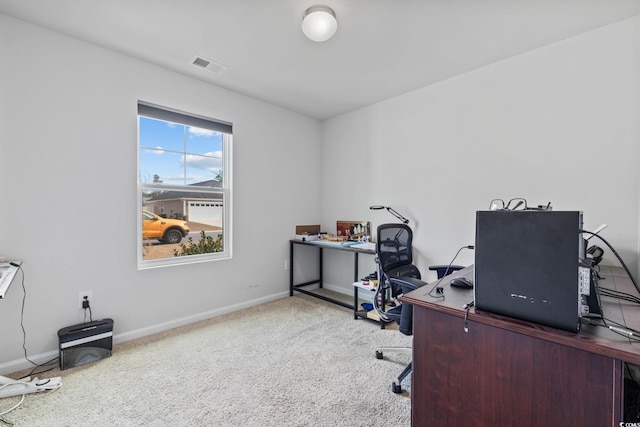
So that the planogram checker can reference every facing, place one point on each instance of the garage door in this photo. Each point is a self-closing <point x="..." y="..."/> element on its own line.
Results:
<point x="205" y="212"/>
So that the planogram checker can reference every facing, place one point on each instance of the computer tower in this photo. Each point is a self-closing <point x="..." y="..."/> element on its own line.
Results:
<point x="85" y="342"/>
<point x="527" y="266"/>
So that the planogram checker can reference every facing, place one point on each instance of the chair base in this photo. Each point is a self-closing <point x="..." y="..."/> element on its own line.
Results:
<point x="396" y="385"/>
<point x="401" y="350"/>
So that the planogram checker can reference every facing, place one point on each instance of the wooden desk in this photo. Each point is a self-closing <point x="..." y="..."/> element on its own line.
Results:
<point x="300" y="287"/>
<point x="508" y="372"/>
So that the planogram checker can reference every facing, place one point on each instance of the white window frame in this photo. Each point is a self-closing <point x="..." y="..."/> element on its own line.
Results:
<point x="225" y="190"/>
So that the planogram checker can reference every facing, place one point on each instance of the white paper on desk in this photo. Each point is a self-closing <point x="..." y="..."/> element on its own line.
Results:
<point x="365" y="245"/>
<point x="331" y="243"/>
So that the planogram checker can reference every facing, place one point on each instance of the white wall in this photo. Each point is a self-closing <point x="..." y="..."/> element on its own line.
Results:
<point x="558" y="124"/>
<point x="68" y="149"/>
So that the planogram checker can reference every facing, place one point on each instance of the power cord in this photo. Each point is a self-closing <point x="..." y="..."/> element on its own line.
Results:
<point x="623" y="330"/>
<point x="51" y="362"/>
<point x="24" y="382"/>
<point x="631" y="334"/>
<point x="24" y="332"/>
<point x="439" y="290"/>
<point x="467" y="307"/>
<point x="626" y="269"/>
<point x="378" y="296"/>
<point x="24" y="299"/>
<point x="14" y="407"/>
<point x="86" y="306"/>
<point x="620" y="329"/>
<point x="618" y="294"/>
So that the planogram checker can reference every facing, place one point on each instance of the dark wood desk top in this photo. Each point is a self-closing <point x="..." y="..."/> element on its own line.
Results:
<point x="593" y="335"/>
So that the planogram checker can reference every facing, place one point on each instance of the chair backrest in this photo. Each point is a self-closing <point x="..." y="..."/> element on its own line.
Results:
<point x="394" y="246"/>
<point x="394" y="255"/>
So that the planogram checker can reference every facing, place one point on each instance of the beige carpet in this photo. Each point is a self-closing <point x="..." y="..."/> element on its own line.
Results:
<point x="297" y="361"/>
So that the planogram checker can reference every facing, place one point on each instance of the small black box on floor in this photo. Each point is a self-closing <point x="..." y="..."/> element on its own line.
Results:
<point x="85" y="343"/>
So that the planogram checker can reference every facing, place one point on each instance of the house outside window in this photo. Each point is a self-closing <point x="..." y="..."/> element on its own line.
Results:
<point x="184" y="187"/>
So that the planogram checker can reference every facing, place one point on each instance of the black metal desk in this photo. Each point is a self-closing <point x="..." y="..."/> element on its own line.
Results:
<point x="321" y="247"/>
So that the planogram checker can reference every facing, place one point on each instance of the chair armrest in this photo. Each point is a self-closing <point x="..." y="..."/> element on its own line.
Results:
<point x="441" y="269"/>
<point x="407" y="284"/>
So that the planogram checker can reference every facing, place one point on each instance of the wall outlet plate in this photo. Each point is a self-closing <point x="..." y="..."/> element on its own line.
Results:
<point x="81" y="296"/>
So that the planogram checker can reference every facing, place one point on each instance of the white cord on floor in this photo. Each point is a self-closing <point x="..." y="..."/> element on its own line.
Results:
<point x="14" y="407"/>
<point x="34" y="383"/>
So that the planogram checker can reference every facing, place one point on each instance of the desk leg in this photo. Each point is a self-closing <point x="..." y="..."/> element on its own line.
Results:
<point x="355" y="266"/>
<point x="293" y="287"/>
<point x="290" y="269"/>
<point x="321" y="267"/>
<point x="355" y="303"/>
<point x="355" y="288"/>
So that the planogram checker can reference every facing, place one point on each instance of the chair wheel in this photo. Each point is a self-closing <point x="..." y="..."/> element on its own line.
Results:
<point x="396" y="388"/>
<point x="379" y="354"/>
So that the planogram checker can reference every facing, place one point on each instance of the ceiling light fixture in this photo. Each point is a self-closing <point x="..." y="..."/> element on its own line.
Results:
<point x="319" y="23"/>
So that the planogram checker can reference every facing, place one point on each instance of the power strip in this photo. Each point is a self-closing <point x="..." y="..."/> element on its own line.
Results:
<point x="19" y="388"/>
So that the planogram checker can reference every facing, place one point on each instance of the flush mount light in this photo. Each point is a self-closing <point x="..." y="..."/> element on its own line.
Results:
<point x="319" y="23"/>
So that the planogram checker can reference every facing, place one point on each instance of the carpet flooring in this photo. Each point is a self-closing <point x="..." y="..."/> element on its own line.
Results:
<point x="296" y="361"/>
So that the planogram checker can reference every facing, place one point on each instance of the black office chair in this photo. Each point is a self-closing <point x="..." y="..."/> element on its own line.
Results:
<point x="396" y="276"/>
<point x="394" y="256"/>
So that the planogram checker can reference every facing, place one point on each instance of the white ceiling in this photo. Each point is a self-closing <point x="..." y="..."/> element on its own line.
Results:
<point x="382" y="48"/>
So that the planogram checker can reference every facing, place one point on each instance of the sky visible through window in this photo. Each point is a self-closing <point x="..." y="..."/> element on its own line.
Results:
<point x="178" y="154"/>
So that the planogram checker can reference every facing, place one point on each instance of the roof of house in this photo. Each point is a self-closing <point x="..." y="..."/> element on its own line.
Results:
<point x="182" y="195"/>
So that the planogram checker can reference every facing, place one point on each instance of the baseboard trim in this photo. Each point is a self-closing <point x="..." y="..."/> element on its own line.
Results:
<point x="161" y="327"/>
<point x="339" y="289"/>
<point x="22" y="364"/>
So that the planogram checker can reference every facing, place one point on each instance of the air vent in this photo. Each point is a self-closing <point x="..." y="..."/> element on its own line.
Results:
<point x="201" y="62"/>
<point x="208" y="65"/>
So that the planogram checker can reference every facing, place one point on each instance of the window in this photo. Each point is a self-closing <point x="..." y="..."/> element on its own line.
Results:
<point x="184" y="187"/>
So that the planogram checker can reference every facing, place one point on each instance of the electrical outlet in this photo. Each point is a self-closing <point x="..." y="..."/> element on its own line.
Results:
<point x="286" y="265"/>
<point x="81" y="296"/>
